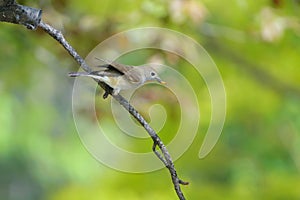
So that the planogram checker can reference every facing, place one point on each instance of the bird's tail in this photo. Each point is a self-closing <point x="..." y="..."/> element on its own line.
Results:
<point x="86" y="74"/>
<point x="75" y="74"/>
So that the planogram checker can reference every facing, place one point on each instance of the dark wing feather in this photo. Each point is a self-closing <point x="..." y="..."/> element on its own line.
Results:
<point x="130" y="72"/>
<point x="117" y="69"/>
<point x="108" y="70"/>
<point x="111" y="64"/>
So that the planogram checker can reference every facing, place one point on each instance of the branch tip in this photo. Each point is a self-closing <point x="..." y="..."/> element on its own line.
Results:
<point x="183" y="182"/>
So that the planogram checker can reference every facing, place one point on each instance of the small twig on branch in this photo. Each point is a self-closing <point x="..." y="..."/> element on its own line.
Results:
<point x="166" y="158"/>
<point x="12" y="12"/>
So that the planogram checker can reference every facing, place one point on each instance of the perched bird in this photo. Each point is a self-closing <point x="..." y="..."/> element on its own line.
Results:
<point x="122" y="77"/>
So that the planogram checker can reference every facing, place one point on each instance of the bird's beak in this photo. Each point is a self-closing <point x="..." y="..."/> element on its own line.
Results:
<point x="160" y="81"/>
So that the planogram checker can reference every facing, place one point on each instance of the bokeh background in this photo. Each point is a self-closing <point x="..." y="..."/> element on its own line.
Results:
<point x="255" y="45"/>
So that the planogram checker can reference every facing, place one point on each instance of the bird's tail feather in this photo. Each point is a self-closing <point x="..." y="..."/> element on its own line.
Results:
<point x="86" y="74"/>
<point x="75" y="74"/>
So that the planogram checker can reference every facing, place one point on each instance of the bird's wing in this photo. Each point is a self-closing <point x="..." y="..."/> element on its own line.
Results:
<point x="114" y="67"/>
<point x="133" y="75"/>
<point x="117" y="69"/>
<point x="121" y="67"/>
<point x="130" y="72"/>
<point x="111" y="64"/>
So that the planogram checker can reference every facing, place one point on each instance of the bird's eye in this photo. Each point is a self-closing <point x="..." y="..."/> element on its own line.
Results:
<point x="152" y="73"/>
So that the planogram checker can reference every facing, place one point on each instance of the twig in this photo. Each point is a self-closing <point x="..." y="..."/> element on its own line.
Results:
<point x="12" y="12"/>
<point x="165" y="157"/>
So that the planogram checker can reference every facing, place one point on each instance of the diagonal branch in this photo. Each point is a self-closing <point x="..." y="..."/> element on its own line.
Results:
<point x="12" y="12"/>
<point x="165" y="157"/>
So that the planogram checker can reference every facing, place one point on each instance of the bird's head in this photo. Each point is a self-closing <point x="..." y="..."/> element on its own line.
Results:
<point x="152" y="75"/>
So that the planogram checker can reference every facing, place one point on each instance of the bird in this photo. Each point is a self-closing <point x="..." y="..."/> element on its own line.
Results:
<point x="122" y="77"/>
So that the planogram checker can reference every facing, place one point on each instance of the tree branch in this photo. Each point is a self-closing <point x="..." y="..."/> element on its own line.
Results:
<point x="14" y="13"/>
<point x="31" y="18"/>
<point x="165" y="157"/>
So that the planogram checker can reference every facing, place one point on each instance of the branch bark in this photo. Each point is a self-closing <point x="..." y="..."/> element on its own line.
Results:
<point x="12" y="12"/>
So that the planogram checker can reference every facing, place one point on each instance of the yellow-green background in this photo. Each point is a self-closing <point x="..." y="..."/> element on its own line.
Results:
<point x="258" y="154"/>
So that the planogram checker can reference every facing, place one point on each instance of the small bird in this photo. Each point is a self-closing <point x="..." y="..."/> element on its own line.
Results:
<point x="122" y="77"/>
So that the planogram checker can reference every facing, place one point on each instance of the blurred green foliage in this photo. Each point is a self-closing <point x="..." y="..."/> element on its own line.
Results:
<point x="255" y="45"/>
